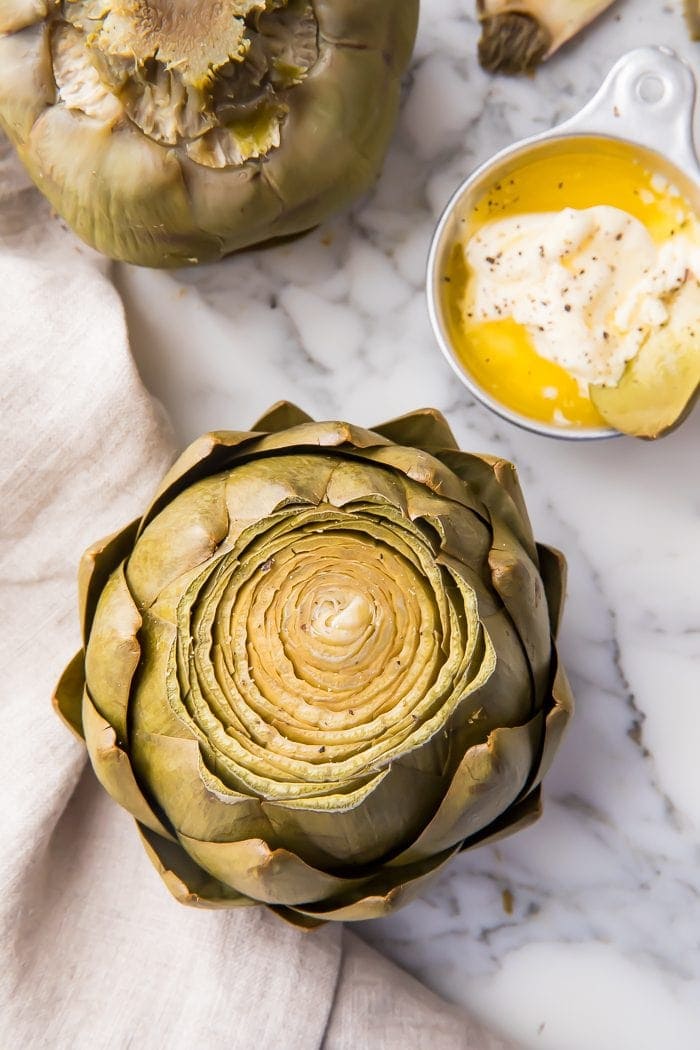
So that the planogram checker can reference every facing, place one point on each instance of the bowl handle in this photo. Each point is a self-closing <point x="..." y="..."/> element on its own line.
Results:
<point x="648" y="97"/>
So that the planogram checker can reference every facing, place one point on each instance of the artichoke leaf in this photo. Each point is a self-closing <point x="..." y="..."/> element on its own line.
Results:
<point x="558" y="715"/>
<point x="524" y="812"/>
<point x="187" y="882"/>
<point x="26" y="80"/>
<point x="118" y="189"/>
<point x="96" y="566"/>
<point x="113" y="652"/>
<point x="272" y="876"/>
<point x="113" y="768"/>
<point x="184" y="536"/>
<point x="494" y="484"/>
<point x="392" y="888"/>
<point x="554" y="572"/>
<point x="363" y="23"/>
<point x="195" y="802"/>
<point x="661" y="382"/>
<point x="516" y="35"/>
<point x="487" y="781"/>
<point x="281" y="416"/>
<point x="68" y="695"/>
<point x="427" y="428"/>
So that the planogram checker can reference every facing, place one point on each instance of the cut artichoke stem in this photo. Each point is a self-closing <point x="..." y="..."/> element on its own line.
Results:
<point x="516" y="35"/>
<point x="692" y="17"/>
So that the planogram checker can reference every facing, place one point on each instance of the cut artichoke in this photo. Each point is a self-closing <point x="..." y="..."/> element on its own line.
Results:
<point x="516" y="35"/>
<point x="169" y="132"/>
<point x="321" y="664"/>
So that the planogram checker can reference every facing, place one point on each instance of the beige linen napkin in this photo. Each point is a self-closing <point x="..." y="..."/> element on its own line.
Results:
<point x="95" y="953"/>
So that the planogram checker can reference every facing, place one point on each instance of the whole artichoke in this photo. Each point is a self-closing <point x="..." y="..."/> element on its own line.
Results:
<point x="321" y="664"/>
<point x="168" y="132"/>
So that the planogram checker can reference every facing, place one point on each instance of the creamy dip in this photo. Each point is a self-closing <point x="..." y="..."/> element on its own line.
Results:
<point x="589" y="285"/>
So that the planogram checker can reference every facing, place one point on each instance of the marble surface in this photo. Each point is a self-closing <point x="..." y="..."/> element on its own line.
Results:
<point x="582" y="933"/>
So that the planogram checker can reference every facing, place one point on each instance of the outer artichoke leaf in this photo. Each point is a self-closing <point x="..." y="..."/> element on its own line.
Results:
<point x="26" y="80"/>
<point x="487" y="781"/>
<point x="353" y="481"/>
<point x="113" y="768"/>
<point x="401" y="802"/>
<point x="18" y="14"/>
<point x="334" y="136"/>
<point x="553" y="570"/>
<point x="426" y="428"/>
<point x="68" y="695"/>
<point x="557" y="718"/>
<point x="113" y="651"/>
<point x="519" y="584"/>
<point x="281" y="416"/>
<point x="187" y="882"/>
<point x="295" y="918"/>
<point x="389" y="28"/>
<point x="195" y="802"/>
<point x="520" y="815"/>
<point x="333" y="433"/>
<point x="257" y="490"/>
<point x="138" y="202"/>
<point x="236" y="205"/>
<point x="422" y="468"/>
<point x="390" y="889"/>
<point x="273" y="876"/>
<point x="494" y="483"/>
<point x="209" y="454"/>
<point x="183" y="536"/>
<point x="96" y="566"/>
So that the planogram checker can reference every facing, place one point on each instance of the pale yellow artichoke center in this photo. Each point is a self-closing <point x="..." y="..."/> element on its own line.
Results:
<point x="320" y="647"/>
<point x="211" y="78"/>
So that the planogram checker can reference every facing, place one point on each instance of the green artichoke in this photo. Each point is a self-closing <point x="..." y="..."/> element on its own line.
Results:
<point x="170" y="132"/>
<point x="321" y="664"/>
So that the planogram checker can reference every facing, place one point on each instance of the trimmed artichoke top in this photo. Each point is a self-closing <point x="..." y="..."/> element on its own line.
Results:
<point x="174" y="131"/>
<point x="321" y="664"/>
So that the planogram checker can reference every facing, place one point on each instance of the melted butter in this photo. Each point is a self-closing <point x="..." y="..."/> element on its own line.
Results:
<point x="500" y="354"/>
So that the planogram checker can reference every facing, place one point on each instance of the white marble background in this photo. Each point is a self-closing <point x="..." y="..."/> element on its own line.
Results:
<point x="601" y="950"/>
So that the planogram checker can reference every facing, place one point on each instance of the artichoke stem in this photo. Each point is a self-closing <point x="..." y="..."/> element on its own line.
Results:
<point x="512" y="43"/>
<point x="692" y="17"/>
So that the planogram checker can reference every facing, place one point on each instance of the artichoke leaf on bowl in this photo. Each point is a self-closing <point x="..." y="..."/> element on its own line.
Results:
<point x="321" y="664"/>
<point x="516" y="35"/>
<point x="171" y="132"/>
<point x="661" y="382"/>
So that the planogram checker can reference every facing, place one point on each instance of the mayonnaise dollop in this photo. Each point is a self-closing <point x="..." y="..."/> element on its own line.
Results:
<point x="589" y="285"/>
